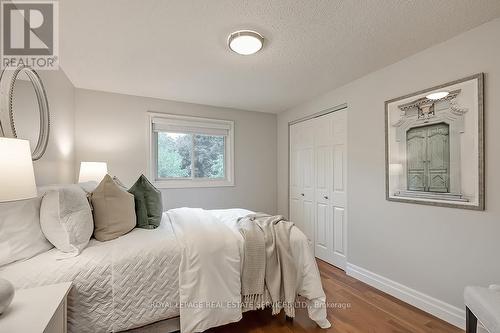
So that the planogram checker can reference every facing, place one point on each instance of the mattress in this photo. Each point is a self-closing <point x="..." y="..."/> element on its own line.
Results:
<point x="117" y="285"/>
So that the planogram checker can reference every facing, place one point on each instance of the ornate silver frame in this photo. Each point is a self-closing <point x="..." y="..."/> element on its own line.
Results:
<point x="7" y="125"/>
<point x="481" y="139"/>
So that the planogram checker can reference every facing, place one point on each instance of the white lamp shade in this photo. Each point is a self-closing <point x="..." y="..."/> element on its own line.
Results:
<point x="17" y="179"/>
<point x="92" y="171"/>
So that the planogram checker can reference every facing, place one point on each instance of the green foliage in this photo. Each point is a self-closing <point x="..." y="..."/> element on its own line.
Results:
<point x="172" y="157"/>
<point x="175" y="155"/>
<point x="209" y="156"/>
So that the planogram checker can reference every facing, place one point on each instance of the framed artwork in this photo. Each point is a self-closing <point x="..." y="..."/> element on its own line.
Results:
<point x="435" y="145"/>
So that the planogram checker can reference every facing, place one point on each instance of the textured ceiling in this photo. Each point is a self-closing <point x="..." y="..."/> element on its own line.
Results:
<point x="176" y="49"/>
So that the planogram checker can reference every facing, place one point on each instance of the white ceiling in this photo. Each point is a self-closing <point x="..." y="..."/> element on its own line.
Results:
<point x="176" y="49"/>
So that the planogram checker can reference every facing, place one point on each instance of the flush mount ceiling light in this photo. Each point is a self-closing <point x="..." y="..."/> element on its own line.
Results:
<point x="437" y="95"/>
<point x="245" y="42"/>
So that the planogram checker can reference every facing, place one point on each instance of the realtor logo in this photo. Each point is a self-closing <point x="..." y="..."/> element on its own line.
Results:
<point x="29" y="34"/>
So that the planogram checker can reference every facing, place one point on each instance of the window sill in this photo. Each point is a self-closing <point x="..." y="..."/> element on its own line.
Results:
<point x="189" y="183"/>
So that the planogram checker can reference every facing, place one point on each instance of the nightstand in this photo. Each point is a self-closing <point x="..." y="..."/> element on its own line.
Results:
<point x="37" y="310"/>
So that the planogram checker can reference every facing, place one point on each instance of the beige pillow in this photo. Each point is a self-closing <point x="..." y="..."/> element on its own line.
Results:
<point x="114" y="210"/>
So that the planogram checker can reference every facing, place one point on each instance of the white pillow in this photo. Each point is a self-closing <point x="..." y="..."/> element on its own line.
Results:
<point x="66" y="219"/>
<point x="20" y="234"/>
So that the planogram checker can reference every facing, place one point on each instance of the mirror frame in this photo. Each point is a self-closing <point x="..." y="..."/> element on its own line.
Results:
<point x="7" y="125"/>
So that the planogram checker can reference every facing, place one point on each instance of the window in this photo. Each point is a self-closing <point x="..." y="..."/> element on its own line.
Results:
<point x="191" y="151"/>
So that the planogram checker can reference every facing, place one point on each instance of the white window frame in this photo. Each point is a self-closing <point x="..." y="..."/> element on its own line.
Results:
<point x="166" y="118"/>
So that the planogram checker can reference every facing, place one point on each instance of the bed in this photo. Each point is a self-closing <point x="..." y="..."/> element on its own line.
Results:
<point x="143" y="276"/>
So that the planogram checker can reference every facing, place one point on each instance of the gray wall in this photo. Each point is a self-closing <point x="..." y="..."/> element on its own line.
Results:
<point x="57" y="164"/>
<point x="113" y="128"/>
<point x="437" y="251"/>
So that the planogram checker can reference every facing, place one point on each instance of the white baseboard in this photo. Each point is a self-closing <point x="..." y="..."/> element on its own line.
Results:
<point x="440" y="309"/>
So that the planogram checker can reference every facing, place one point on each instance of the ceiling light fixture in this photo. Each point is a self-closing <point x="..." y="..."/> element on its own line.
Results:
<point x="437" y="95"/>
<point x="245" y="42"/>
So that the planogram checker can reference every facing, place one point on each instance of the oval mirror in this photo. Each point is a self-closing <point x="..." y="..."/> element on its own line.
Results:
<point x="24" y="112"/>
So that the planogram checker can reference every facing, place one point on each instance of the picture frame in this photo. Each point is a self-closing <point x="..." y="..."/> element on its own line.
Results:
<point x="434" y="145"/>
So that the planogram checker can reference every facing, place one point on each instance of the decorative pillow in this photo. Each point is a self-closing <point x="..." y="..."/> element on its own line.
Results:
<point x="148" y="204"/>
<point x="20" y="234"/>
<point x="120" y="184"/>
<point x="66" y="219"/>
<point x="114" y="213"/>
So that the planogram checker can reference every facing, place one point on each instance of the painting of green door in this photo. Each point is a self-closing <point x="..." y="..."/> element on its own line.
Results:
<point x="428" y="158"/>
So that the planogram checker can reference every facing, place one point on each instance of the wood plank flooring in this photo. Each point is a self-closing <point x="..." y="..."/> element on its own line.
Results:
<point x="365" y="310"/>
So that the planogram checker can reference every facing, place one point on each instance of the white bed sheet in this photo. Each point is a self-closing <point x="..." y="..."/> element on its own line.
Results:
<point x="117" y="285"/>
<point x="210" y="269"/>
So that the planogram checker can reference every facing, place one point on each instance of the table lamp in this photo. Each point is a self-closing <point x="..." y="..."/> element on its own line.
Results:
<point x="17" y="182"/>
<point x="92" y="171"/>
<point x="17" y="179"/>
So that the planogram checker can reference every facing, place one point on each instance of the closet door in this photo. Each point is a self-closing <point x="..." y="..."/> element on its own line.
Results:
<point x="339" y="189"/>
<point x="323" y="243"/>
<point x="330" y="192"/>
<point x="318" y="164"/>
<point x="301" y="178"/>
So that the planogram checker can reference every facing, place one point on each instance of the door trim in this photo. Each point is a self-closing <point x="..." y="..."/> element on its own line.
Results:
<point x="318" y="114"/>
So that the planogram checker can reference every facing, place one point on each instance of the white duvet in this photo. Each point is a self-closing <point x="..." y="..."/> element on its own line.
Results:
<point x="210" y="266"/>
<point x="140" y="278"/>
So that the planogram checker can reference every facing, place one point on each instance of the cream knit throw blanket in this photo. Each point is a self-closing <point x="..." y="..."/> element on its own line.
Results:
<point x="268" y="263"/>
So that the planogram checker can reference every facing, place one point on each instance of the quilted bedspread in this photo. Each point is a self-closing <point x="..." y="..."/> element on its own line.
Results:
<point x="117" y="285"/>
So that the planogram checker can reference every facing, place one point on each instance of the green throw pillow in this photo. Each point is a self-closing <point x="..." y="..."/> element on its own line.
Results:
<point x="148" y="204"/>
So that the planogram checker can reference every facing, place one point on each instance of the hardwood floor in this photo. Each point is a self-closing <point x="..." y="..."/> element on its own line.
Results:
<point x="366" y="310"/>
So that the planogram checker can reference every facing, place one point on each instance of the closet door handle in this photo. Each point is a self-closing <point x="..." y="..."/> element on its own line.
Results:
<point x="302" y="194"/>
<point x="326" y="197"/>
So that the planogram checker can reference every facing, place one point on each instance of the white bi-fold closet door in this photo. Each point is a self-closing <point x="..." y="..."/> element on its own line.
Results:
<point x="318" y="149"/>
